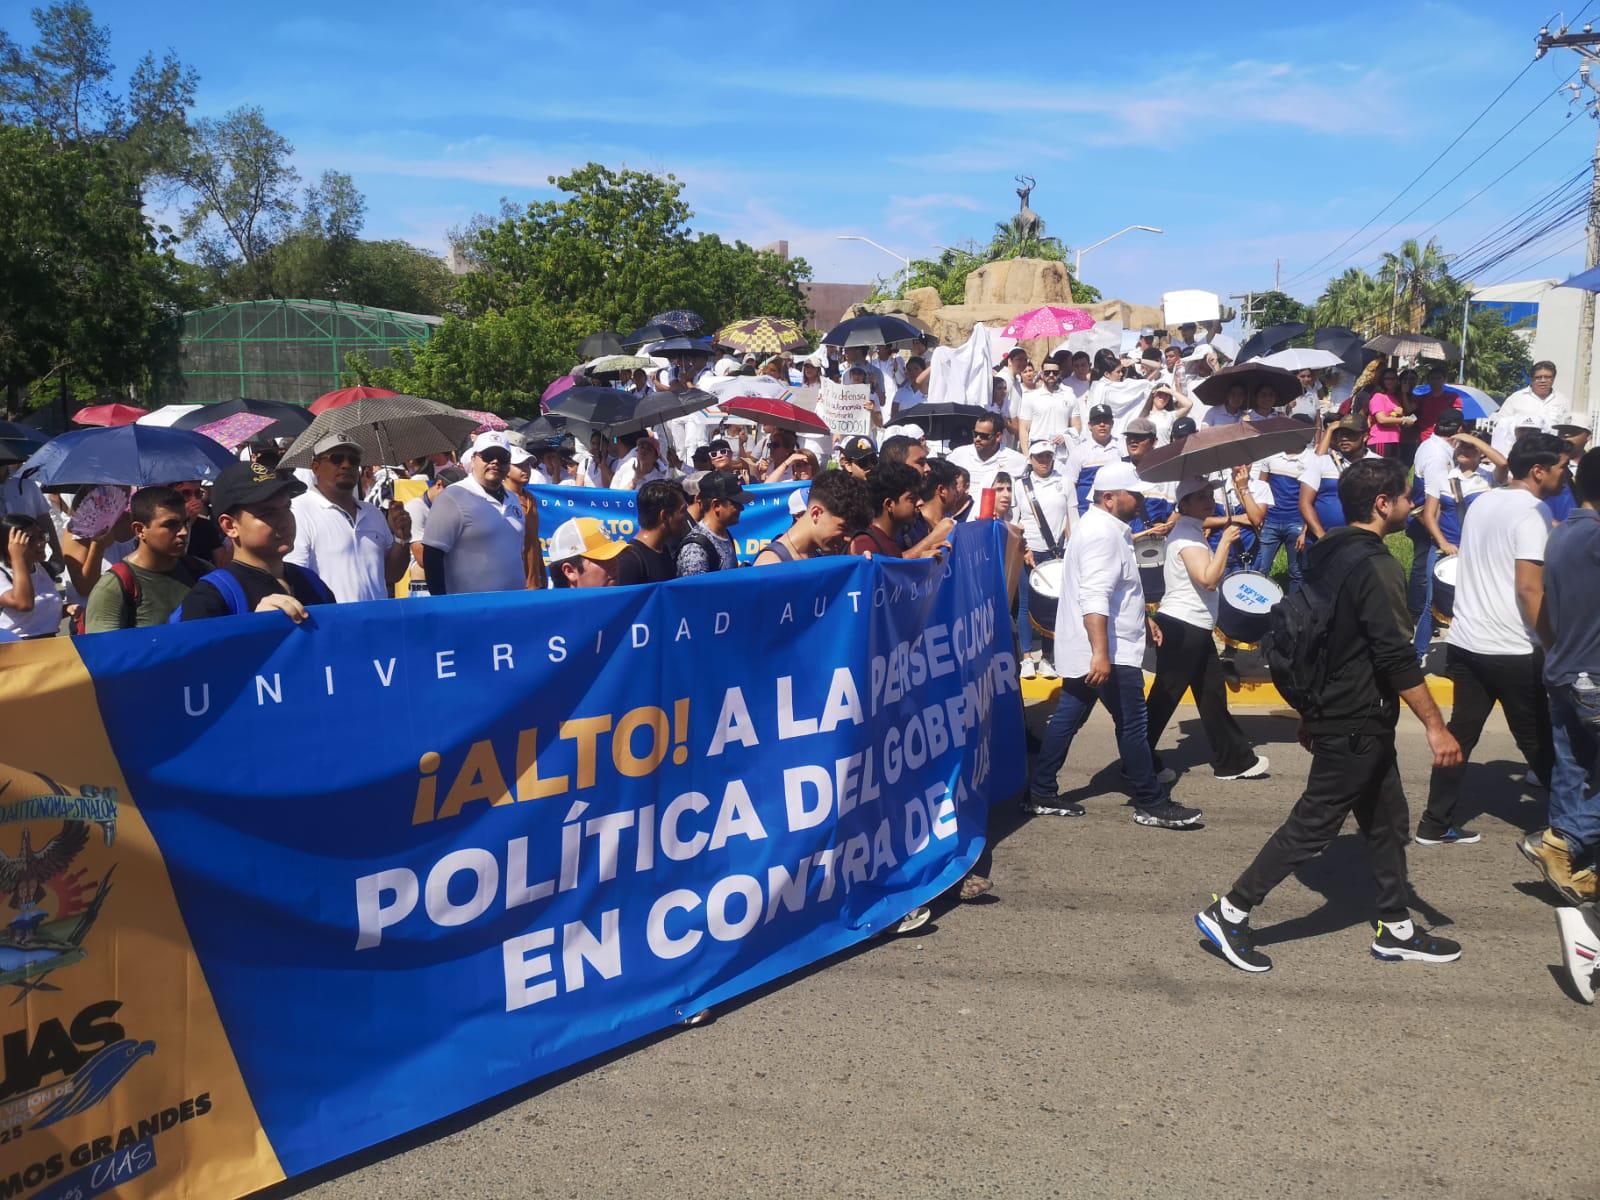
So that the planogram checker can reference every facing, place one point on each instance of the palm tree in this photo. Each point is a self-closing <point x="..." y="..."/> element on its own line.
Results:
<point x="1413" y="275"/>
<point x="1353" y="300"/>
<point x="1023" y="236"/>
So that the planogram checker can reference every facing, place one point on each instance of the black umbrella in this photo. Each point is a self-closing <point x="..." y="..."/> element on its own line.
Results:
<point x="1265" y="341"/>
<point x="1252" y="376"/>
<point x="660" y="407"/>
<point x="682" y="346"/>
<point x="540" y="429"/>
<point x="18" y="442"/>
<point x="1346" y="343"/>
<point x="597" y="344"/>
<point x="942" y="419"/>
<point x="391" y="430"/>
<point x="649" y="332"/>
<point x="596" y="407"/>
<point x="684" y="320"/>
<point x="289" y="420"/>
<point x="871" y="330"/>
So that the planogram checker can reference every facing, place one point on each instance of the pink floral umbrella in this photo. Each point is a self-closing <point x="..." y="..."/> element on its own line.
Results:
<point x="487" y="421"/>
<point x="233" y="432"/>
<point x="1047" y="322"/>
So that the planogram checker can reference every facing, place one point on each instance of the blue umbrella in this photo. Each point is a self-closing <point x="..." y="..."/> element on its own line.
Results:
<point x="1475" y="403"/>
<point x="132" y="455"/>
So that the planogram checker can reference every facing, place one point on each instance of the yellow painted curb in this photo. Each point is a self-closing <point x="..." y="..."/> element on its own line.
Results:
<point x="1250" y="694"/>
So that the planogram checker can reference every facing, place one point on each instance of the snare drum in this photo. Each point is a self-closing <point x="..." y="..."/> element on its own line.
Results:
<point x="1444" y="587"/>
<point x="1245" y="601"/>
<point x="1151" y="554"/>
<point x="1044" y="587"/>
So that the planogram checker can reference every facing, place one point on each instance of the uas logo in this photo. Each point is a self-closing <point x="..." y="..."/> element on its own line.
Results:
<point x="53" y="902"/>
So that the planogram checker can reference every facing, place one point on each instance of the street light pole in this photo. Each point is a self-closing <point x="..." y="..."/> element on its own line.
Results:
<point x="856" y="237"/>
<point x="1077" y="266"/>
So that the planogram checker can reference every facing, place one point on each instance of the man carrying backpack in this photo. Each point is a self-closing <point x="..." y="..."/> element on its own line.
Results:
<point x="146" y="586"/>
<point x="1340" y="651"/>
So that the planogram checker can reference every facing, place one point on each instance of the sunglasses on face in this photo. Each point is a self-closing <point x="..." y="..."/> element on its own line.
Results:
<point x="868" y="462"/>
<point x="340" y="458"/>
<point x="1052" y="374"/>
<point x="1139" y="437"/>
<point x="984" y="437"/>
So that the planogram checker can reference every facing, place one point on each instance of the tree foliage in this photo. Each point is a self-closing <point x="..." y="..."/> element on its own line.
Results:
<point x="614" y="250"/>
<point x="86" y="288"/>
<point x="1018" y="237"/>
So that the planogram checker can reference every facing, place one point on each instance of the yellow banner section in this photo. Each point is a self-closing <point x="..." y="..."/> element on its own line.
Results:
<point x="118" y="1075"/>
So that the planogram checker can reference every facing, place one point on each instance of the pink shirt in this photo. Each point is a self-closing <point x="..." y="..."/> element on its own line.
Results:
<point x="1381" y="435"/>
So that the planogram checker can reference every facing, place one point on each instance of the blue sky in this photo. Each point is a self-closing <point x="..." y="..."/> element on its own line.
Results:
<point x="1248" y="132"/>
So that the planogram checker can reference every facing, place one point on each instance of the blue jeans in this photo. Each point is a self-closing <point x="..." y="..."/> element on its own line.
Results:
<point x="1419" y="588"/>
<point x="1123" y="695"/>
<point x="1575" y="781"/>
<point x="1274" y="533"/>
<point x="1027" y="636"/>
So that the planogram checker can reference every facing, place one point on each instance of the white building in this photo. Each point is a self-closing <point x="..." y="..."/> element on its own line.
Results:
<point x="1554" y="331"/>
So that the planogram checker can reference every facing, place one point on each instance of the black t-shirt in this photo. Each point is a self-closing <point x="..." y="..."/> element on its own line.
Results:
<point x="204" y="600"/>
<point x="640" y="564"/>
<point x="205" y="539"/>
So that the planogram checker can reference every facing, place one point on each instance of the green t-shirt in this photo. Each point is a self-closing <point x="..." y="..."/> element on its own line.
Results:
<point x="158" y="596"/>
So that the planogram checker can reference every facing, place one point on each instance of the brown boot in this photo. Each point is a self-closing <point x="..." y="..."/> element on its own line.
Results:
<point x="1548" y="851"/>
<point x="1586" y="885"/>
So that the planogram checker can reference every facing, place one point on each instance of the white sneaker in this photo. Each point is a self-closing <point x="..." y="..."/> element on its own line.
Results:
<point x="1580" y="948"/>
<point x="914" y="920"/>
<point x="1255" y="770"/>
<point x="1047" y="669"/>
<point x="1028" y="669"/>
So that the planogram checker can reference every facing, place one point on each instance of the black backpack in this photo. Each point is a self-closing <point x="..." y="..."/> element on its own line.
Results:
<point x="1295" y="647"/>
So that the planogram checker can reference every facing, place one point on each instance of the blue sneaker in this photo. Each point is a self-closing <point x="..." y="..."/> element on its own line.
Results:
<point x="1232" y="939"/>
<point x="1450" y="837"/>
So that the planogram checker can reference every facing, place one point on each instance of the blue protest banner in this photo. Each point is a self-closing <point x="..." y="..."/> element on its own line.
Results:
<point x="618" y="511"/>
<point x="405" y="856"/>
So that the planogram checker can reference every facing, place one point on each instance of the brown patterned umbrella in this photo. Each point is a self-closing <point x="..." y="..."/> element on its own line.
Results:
<point x="763" y="335"/>
<point x="389" y="429"/>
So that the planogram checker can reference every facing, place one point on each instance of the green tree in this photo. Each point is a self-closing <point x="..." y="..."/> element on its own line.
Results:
<point x="1277" y="308"/>
<point x="63" y="85"/>
<point x="1413" y="275"/>
<point x="86" y="288"/>
<point x="1353" y="300"/>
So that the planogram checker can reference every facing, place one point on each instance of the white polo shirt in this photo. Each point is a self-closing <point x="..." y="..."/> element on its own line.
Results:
<point x="1504" y="526"/>
<point x="346" y="553"/>
<point x="1101" y="576"/>
<point x="481" y="536"/>
<point x="983" y="471"/>
<point x="1049" y="415"/>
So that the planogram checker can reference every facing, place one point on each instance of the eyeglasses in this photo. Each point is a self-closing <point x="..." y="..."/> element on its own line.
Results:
<point x="1051" y="374"/>
<point x="340" y="459"/>
<point x="983" y="437"/>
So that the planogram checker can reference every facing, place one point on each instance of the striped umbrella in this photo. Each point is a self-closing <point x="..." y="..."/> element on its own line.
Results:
<point x="389" y="429"/>
<point x="763" y="335"/>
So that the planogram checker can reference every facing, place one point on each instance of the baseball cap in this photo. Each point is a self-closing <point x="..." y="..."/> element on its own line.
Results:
<point x="244" y="484"/>
<point x="856" y="447"/>
<point x="454" y="473"/>
<point x="1193" y="484"/>
<point x="490" y="440"/>
<point x="1139" y="427"/>
<point x="585" y="537"/>
<point x="724" y="485"/>
<point x="720" y="446"/>
<point x="1041" y="446"/>
<point x="799" y="501"/>
<point x="332" y="442"/>
<point x="691" y="482"/>
<point x="1448" y="421"/>
<point x="1183" y="427"/>
<point x="1576" y="423"/>
<point x="1350" y="424"/>
<point x="1101" y="413"/>
<point x="1118" y="477"/>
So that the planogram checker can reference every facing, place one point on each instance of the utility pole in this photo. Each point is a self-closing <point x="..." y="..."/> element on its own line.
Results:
<point x="1585" y="43"/>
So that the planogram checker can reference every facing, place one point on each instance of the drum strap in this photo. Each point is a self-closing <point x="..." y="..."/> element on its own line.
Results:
<point x="1455" y="486"/>
<point x="1038" y="514"/>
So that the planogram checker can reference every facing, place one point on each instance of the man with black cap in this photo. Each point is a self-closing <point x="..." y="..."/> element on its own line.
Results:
<point x="1320" y="507"/>
<point x="1102" y="446"/>
<point x="1435" y="457"/>
<point x="708" y="546"/>
<point x="252" y="503"/>
<point x="858" y="455"/>
<point x="1100" y="641"/>
<point x="349" y="543"/>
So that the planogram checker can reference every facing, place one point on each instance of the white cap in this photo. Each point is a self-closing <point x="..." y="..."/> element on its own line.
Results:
<point x="1576" y="420"/>
<point x="1198" y="353"/>
<point x="1118" y="477"/>
<point x="726" y="366"/>
<point x="1041" y="446"/>
<point x="799" y="501"/>
<point x="1193" y="484"/>
<point x="491" y="439"/>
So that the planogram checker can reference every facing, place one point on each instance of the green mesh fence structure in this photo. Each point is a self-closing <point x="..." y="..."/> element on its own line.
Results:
<point x="291" y="350"/>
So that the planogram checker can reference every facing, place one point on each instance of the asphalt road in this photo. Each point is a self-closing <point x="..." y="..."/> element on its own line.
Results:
<point x="1071" y="1036"/>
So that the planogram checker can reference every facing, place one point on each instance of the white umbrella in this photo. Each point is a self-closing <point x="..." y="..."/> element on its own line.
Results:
<point x="764" y="386"/>
<point x="1302" y="358"/>
<point x="164" y="416"/>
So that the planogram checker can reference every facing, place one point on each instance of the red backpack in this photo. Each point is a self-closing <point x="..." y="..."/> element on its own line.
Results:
<point x="129" y="582"/>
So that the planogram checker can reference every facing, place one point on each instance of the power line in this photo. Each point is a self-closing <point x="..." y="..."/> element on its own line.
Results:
<point x="1557" y="197"/>
<point x="1471" y="125"/>
<point x="1523" y="270"/>
<point x="1479" y="158"/>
